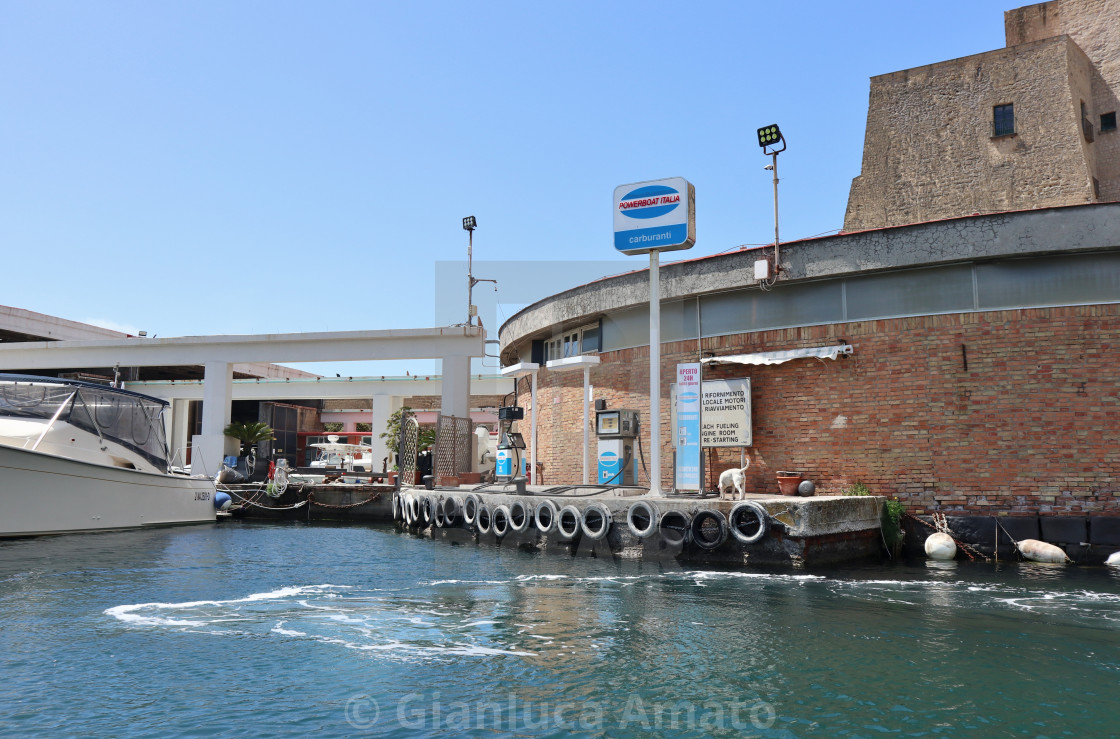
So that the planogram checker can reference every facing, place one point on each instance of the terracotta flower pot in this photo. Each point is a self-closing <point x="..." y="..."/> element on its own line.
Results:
<point x="788" y="482"/>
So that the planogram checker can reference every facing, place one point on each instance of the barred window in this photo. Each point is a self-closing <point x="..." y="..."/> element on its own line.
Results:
<point x="1003" y="120"/>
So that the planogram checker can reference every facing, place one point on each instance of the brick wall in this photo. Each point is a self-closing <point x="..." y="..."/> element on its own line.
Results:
<point x="1030" y="426"/>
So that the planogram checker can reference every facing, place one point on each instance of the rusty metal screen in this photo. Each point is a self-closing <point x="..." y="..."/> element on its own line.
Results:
<point x="452" y="453"/>
<point x="407" y="451"/>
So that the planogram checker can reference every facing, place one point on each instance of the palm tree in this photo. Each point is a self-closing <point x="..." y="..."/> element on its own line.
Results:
<point x="249" y="433"/>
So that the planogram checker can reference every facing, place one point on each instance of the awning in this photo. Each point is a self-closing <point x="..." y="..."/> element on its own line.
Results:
<point x="818" y="352"/>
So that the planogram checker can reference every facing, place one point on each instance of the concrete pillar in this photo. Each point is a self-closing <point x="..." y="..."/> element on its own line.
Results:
<point x="178" y="430"/>
<point x="455" y="397"/>
<point x="382" y="408"/>
<point x="210" y="446"/>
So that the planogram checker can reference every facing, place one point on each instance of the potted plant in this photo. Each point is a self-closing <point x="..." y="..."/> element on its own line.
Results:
<point x="249" y="434"/>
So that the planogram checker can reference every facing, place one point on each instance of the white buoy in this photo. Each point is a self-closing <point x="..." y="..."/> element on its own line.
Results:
<point x="940" y="546"/>
<point x="1113" y="560"/>
<point x="1040" y="551"/>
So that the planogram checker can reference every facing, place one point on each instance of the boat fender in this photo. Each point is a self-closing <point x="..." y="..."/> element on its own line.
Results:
<point x="674" y="527"/>
<point x="519" y="517"/>
<point x="642" y="519"/>
<point x="426" y="510"/>
<point x="484" y="519"/>
<point x="940" y="545"/>
<point x="596" y="521"/>
<point x="1040" y="551"/>
<point x="749" y="521"/>
<point x="708" y="529"/>
<point x="500" y="524"/>
<point x="470" y="509"/>
<point x="545" y="516"/>
<point x="411" y="510"/>
<point x="452" y="509"/>
<point x="396" y="506"/>
<point x="568" y="522"/>
<point x="437" y="515"/>
<point x="1113" y="560"/>
<point x="222" y="501"/>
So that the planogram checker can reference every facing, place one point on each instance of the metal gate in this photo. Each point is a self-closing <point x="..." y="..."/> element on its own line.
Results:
<point x="407" y="451"/>
<point x="452" y="453"/>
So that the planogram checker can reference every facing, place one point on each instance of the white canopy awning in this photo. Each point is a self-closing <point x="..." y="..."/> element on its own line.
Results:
<point x="817" y="352"/>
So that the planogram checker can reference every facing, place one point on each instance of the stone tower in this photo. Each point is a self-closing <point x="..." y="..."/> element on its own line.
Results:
<point x="1032" y="125"/>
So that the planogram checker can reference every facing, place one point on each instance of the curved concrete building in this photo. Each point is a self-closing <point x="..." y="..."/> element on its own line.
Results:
<point x="984" y="377"/>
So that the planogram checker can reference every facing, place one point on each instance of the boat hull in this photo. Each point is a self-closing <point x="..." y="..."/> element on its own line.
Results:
<point x="45" y="494"/>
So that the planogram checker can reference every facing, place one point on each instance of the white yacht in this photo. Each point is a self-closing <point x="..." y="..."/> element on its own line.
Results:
<point x="77" y="456"/>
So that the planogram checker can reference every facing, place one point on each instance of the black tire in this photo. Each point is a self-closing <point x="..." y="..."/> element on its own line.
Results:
<point x="568" y="522"/>
<point x="545" y="516"/>
<point x="749" y="522"/>
<point x="708" y="529"/>
<point x="485" y="519"/>
<point x="452" y="511"/>
<point x="596" y="521"/>
<point x="470" y="509"/>
<point x="427" y="511"/>
<point x="500" y="525"/>
<point x="674" y="527"/>
<point x="519" y="517"/>
<point x="642" y="519"/>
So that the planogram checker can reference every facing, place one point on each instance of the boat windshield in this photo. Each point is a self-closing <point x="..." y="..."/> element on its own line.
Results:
<point x="133" y="421"/>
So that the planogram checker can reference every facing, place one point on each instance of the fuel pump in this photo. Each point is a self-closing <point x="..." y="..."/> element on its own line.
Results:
<point x="509" y="443"/>
<point x="616" y="430"/>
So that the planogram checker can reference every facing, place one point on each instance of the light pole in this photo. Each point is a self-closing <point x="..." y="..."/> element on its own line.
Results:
<point x="770" y="136"/>
<point x="469" y="225"/>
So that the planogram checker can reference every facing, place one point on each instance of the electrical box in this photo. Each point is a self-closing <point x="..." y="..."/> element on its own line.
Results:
<point x="511" y="413"/>
<point x="762" y="269"/>
<point x="616" y="424"/>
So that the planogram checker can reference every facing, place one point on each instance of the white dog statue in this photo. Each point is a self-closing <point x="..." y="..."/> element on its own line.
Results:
<point x="732" y="480"/>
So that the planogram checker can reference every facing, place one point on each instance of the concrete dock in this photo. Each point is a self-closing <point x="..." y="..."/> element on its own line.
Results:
<point x="598" y="521"/>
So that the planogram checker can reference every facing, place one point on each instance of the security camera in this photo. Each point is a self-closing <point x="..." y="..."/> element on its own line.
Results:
<point x="769" y="167"/>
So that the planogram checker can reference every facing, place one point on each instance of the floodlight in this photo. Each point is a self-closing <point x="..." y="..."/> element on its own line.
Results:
<point x="769" y="135"/>
<point x="469" y="223"/>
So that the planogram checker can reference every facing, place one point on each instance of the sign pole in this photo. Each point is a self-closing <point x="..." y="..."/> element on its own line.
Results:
<point x="655" y="372"/>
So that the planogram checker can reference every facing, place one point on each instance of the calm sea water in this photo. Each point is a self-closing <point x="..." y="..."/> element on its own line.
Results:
<point x="287" y="630"/>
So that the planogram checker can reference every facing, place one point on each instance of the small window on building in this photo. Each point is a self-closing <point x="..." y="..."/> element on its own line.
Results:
<point x="1003" y="120"/>
<point x="1108" y="121"/>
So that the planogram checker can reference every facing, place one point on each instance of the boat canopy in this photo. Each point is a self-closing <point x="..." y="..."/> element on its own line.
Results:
<point x="130" y="419"/>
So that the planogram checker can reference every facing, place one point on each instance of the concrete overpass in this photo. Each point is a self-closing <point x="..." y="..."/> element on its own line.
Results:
<point x="386" y="393"/>
<point x="454" y="345"/>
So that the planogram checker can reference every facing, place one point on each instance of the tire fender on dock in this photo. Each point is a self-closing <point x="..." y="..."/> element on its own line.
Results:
<point x="452" y="509"/>
<point x="749" y="522"/>
<point x="500" y="524"/>
<point x="596" y="521"/>
<point x="520" y="517"/>
<point x="708" y="529"/>
<point x="470" y="510"/>
<point x="568" y="522"/>
<point x="545" y="516"/>
<point x="485" y="519"/>
<point x="642" y="519"/>
<point x="427" y="510"/>
<point x="674" y="527"/>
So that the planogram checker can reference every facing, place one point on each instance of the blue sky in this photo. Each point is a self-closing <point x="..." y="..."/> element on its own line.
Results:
<point x="244" y="167"/>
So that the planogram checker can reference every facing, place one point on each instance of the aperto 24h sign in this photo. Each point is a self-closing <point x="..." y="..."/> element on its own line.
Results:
<point x="654" y="216"/>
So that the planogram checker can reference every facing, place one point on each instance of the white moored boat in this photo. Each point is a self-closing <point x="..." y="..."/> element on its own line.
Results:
<point x="76" y="456"/>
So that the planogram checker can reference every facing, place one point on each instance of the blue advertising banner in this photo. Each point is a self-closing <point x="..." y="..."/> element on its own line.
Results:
<point x="687" y="436"/>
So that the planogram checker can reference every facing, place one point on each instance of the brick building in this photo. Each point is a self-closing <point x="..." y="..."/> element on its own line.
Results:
<point x="984" y="378"/>
<point x="1032" y="125"/>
